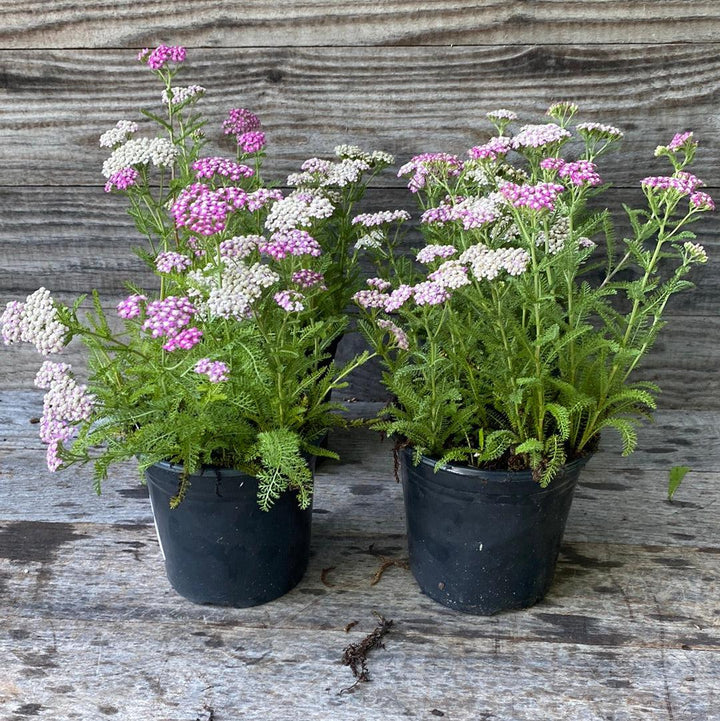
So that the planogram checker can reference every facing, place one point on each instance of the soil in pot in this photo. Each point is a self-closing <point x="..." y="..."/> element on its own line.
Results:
<point x="484" y="541"/>
<point x="219" y="547"/>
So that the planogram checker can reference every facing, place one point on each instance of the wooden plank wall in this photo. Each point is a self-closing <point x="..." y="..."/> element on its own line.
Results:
<point x="404" y="76"/>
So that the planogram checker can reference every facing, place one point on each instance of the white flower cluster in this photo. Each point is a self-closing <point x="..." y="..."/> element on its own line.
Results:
<point x="182" y="95"/>
<point x="382" y="217"/>
<point x="371" y="241"/>
<point x="451" y="274"/>
<point x="354" y="152"/>
<point x="556" y="238"/>
<point x="140" y="151"/>
<point x="240" y="246"/>
<point x="239" y="287"/>
<point x="695" y="252"/>
<point x="324" y="174"/>
<point x="34" y="321"/>
<point x="600" y="130"/>
<point x="118" y="134"/>
<point x="487" y="263"/>
<point x="298" y="210"/>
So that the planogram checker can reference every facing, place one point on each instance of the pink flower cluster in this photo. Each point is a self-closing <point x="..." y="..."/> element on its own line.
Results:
<point x="685" y="183"/>
<point x="261" y="197"/>
<point x="398" y="335"/>
<point x="307" y="278"/>
<point x="239" y="121"/>
<point x="398" y="297"/>
<point x="580" y="172"/>
<point x="208" y="167"/>
<point x="471" y="212"/>
<point x="430" y="293"/>
<point x="245" y="126"/>
<point x="290" y="300"/>
<point x="492" y="149"/>
<point x="204" y="210"/>
<point x="290" y="242"/>
<point x="172" y="261"/>
<point x="252" y="142"/>
<point x="702" y="201"/>
<point x="122" y="180"/>
<point x="216" y="371"/>
<point x="535" y="136"/>
<point x="429" y="166"/>
<point x="161" y="55"/>
<point x="130" y="307"/>
<point x="537" y="197"/>
<point x="430" y="252"/>
<point x="451" y="274"/>
<point x="679" y="140"/>
<point x="65" y="403"/>
<point x="184" y="340"/>
<point x="167" y="317"/>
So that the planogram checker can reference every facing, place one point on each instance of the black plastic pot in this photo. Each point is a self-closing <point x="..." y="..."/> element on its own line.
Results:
<point x="484" y="541"/>
<point x="219" y="547"/>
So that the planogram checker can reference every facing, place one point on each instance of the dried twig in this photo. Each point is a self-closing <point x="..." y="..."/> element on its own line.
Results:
<point x="386" y="563"/>
<point x="351" y="625"/>
<point x="324" y="575"/>
<point x="355" y="655"/>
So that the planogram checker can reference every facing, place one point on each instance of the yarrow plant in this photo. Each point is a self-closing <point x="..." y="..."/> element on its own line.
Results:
<point x="227" y="361"/>
<point x="512" y="343"/>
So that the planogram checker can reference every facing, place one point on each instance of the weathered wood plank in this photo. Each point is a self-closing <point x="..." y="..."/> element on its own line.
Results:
<point x="174" y="672"/>
<point x="404" y="100"/>
<point x="619" y="500"/>
<point x="325" y="22"/>
<point x="603" y="595"/>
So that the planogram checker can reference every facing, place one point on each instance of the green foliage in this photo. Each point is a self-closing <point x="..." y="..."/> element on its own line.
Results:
<point x="676" y="476"/>
<point x="523" y="366"/>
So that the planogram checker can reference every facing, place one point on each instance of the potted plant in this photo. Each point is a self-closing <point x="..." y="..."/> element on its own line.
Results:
<point x="515" y="340"/>
<point x="217" y="378"/>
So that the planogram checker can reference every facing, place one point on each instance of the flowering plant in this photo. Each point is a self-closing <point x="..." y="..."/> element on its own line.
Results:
<point x="227" y="360"/>
<point x="517" y="343"/>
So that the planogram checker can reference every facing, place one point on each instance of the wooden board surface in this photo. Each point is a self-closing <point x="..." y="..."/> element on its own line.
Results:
<point x="89" y="627"/>
<point x="108" y="23"/>
<point x="55" y="104"/>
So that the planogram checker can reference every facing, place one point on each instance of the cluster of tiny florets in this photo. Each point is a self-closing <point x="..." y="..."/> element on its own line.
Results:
<point x="240" y="246"/>
<point x="579" y="172"/>
<point x="429" y="253"/>
<point x="451" y="274"/>
<point x="536" y="197"/>
<point x="535" y="136"/>
<point x="122" y="180"/>
<point x="487" y="263"/>
<point x="472" y="212"/>
<point x="290" y="300"/>
<point x="556" y="238"/>
<point x="599" y="131"/>
<point x="371" y="241"/>
<point x="383" y="217"/>
<point x="178" y="96"/>
<point x="251" y="142"/>
<point x="685" y="183"/>
<point x="491" y="150"/>
<point x="261" y="197"/>
<point x="428" y="167"/>
<point x="371" y="298"/>
<point x="204" y="210"/>
<point x="140" y="151"/>
<point x="702" y="201"/>
<point x="695" y="252"/>
<point x="216" y="371"/>
<point x="166" y="317"/>
<point x="307" y="278"/>
<point x="373" y="159"/>
<point x="298" y="210"/>
<point x="239" y="121"/>
<point x="34" y="321"/>
<point x="65" y="403"/>
<point x="398" y="335"/>
<point x="131" y="307"/>
<point x="501" y="114"/>
<point x="208" y="167"/>
<point x="290" y="242"/>
<point x="430" y="292"/>
<point x="119" y="134"/>
<point x="171" y="261"/>
<point x="158" y="58"/>
<point x="186" y="339"/>
<point x="398" y="297"/>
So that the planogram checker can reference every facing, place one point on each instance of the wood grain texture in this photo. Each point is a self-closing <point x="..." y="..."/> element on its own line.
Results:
<point x="89" y="625"/>
<point x="55" y="104"/>
<point x="108" y="23"/>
